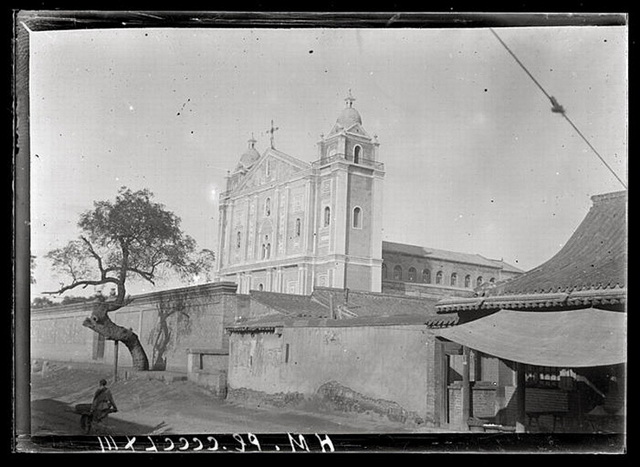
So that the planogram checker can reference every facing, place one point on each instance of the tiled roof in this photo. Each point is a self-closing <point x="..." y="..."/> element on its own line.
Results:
<point x="589" y="270"/>
<point x="593" y="257"/>
<point x="293" y="305"/>
<point x="271" y="323"/>
<point x="506" y="266"/>
<point x="434" y="253"/>
<point x="374" y="304"/>
<point x="351" y="308"/>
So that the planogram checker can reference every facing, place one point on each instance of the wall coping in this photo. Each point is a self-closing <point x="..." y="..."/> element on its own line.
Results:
<point x="202" y="289"/>
<point x="203" y="351"/>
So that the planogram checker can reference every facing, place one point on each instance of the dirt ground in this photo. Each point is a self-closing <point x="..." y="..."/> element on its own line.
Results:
<point x="154" y="407"/>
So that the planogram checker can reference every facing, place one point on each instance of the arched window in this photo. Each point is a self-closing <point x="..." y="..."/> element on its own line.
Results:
<point x="492" y="280"/>
<point x="357" y="150"/>
<point x="357" y="218"/>
<point x="260" y="287"/>
<point x="412" y="274"/>
<point x="454" y="279"/>
<point x="327" y="216"/>
<point x="267" y="207"/>
<point x="238" y="239"/>
<point x="266" y="248"/>
<point x="479" y="281"/>
<point x="467" y="281"/>
<point x="397" y="273"/>
<point x="298" y="227"/>
<point x="426" y="276"/>
<point x="439" y="277"/>
<point x="384" y="271"/>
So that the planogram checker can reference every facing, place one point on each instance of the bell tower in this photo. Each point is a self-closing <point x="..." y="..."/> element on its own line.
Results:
<point x="348" y="237"/>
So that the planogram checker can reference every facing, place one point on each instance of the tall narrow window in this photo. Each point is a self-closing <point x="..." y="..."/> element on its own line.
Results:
<point x="467" y="281"/>
<point x="384" y="271"/>
<point x="454" y="279"/>
<point x="412" y="274"/>
<point x="238" y="239"/>
<point x="439" y="277"/>
<point x="327" y="216"/>
<point x="356" y="154"/>
<point x="268" y="250"/>
<point x="426" y="276"/>
<point x="298" y="227"/>
<point x="286" y="353"/>
<point x="357" y="218"/>
<point x="479" y="281"/>
<point x="267" y="207"/>
<point x="260" y="287"/>
<point x="397" y="273"/>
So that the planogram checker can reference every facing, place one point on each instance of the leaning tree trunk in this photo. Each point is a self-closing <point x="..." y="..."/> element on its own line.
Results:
<point x="100" y="322"/>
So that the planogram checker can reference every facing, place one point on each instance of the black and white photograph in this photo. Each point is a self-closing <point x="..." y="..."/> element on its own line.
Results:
<point x="342" y="232"/>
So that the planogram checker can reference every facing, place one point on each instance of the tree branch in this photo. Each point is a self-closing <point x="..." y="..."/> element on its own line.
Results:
<point x="103" y="273"/>
<point x="83" y="284"/>
<point x="145" y="275"/>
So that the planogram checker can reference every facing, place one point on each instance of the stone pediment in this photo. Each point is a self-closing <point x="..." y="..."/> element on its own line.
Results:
<point x="272" y="168"/>
<point x="355" y="129"/>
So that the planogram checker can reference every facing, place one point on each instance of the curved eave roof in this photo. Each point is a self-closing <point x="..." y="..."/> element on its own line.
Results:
<point x="589" y="270"/>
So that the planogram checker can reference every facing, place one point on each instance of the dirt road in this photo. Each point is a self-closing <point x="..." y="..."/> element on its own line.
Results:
<point x="155" y="407"/>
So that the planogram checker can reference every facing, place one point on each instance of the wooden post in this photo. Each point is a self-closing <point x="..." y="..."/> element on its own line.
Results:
<point x="466" y="388"/>
<point x="520" y="399"/>
<point x="115" y="361"/>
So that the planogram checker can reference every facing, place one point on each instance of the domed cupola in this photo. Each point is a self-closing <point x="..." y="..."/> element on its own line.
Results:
<point x="250" y="156"/>
<point x="349" y="115"/>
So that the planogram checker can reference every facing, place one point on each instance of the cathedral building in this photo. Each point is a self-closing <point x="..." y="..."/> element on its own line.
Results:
<point x="289" y="226"/>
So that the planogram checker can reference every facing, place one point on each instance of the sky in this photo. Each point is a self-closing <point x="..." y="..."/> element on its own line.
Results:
<point x="475" y="160"/>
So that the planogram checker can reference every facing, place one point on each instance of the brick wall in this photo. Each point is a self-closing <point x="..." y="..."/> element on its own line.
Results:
<point x="197" y="318"/>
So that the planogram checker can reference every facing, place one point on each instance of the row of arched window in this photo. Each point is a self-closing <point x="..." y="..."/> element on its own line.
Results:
<point x="357" y="223"/>
<point x="425" y="277"/>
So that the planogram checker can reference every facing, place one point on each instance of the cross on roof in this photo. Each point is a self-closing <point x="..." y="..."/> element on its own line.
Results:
<point x="271" y="131"/>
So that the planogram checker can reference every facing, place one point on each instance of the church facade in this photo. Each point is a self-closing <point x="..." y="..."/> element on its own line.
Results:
<point x="287" y="225"/>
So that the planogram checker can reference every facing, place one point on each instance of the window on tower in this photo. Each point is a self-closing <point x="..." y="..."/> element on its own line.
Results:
<point x="479" y="281"/>
<point x="467" y="281"/>
<point x="298" y="227"/>
<point x="327" y="216"/>
<point x="439" y="276"/>
<point x="454" y="279"/>
<point x="238" y="239"/>
<point x="357" y="151"/>
<point x="357" y="218"/>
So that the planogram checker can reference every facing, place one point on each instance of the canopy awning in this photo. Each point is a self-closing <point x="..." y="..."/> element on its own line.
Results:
<point x="567" y="339"/>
